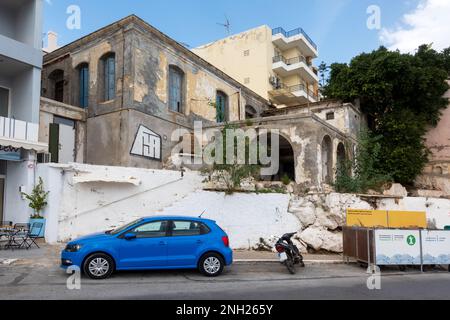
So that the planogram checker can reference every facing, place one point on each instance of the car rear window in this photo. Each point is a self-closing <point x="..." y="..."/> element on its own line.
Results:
<point x="188" y="228"/>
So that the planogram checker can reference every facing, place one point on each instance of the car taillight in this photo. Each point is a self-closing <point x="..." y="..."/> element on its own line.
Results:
<point x="279" y="248"/>
<point x="226" y="241"/>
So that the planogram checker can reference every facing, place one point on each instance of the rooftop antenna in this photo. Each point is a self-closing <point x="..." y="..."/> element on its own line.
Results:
<point x="227" y="24"/>
<point x="200" y="216"/>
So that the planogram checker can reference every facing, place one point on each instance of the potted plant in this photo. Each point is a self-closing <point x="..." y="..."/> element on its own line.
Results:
<point x="37" y="201"/>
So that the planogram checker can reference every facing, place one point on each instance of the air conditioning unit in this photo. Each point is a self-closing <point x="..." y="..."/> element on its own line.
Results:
<point x="274" y="81"/>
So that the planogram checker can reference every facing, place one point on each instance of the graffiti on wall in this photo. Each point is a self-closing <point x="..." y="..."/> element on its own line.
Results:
<point x="147" y="144"/>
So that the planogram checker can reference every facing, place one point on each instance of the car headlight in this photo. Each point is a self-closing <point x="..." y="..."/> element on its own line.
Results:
<point x="73" y="247"/>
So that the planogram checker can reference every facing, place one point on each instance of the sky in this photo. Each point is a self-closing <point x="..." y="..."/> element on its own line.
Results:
<point x="342" y="29"/>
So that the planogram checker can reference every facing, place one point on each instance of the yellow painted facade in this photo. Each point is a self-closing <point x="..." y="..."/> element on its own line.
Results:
<point x="284" y="75"/>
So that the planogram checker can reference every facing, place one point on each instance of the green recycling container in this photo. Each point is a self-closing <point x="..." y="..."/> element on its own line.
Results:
<point x="447" y="228"/>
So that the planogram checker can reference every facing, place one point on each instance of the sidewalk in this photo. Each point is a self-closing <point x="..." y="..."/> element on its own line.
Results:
<point x="247" y="256"/>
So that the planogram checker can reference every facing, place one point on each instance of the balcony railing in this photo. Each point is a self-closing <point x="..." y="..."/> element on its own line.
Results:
<point x="18" y="130"/>
<point x="292" y="61"/>
<point x="295" y="88"/>
<point x="292" y="33"/>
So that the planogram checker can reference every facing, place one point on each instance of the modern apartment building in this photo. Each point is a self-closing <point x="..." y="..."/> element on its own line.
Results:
<point x="276" y="64"/>
<point x="20" y="80"/>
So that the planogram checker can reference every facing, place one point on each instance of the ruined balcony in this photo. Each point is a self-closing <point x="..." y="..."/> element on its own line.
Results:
<point x="297" y="65"/>
<point x="299" y="93"/>
<point x="296" y="38"/>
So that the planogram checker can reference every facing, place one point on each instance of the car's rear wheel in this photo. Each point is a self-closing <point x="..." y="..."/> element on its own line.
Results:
<point x="211" y="265"/>
<point x="98" y="266"/>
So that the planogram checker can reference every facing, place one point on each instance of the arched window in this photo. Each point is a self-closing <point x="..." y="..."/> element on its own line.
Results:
<point x="57" y="85"/>
<point x="176" y="89"/>
<point x="83" y="83"/>
<point x="327" y="160"/>
<point x="250" y="112"/>
<point x="108" y="77"/>
<point x="221" y="106"/>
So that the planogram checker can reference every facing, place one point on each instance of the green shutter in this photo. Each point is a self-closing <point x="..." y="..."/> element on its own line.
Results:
<point x="54" y="142"/>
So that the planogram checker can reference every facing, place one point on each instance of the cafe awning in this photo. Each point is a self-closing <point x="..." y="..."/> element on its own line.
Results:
<point x="23" y="144"/>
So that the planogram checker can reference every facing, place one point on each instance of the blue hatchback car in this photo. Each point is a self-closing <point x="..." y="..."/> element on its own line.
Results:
<point x="152" y="244"/>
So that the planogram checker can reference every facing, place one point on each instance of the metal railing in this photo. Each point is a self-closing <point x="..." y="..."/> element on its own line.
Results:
<point x="292" y="61"/>
<point x="292" y="33"/>
<point x="295" y="88"/>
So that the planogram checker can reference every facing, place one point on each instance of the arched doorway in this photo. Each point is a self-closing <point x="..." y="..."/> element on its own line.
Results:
<point x="341" y="157"/>
<point x="327" y="160"/>
<point x="286" y="159"/>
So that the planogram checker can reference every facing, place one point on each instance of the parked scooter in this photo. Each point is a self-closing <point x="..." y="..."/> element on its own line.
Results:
<point x="288" y="253"/>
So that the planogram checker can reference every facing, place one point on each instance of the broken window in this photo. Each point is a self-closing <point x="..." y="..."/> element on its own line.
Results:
<point x="57" y="85"/>
<point x="330" y="116"/>
<point x="176" y="85"/>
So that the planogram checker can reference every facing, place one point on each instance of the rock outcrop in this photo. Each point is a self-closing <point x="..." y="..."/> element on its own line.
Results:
<point x="322" y="217"/>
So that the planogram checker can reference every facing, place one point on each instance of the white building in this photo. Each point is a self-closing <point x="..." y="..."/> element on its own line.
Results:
<point x="20" y="80"/>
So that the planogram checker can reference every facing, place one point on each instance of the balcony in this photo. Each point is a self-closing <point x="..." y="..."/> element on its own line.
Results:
<point x="20" y="134"/>
<point x="298" y="65"/>
<point x="296" y="38"/>
<point x="297" y="94"/>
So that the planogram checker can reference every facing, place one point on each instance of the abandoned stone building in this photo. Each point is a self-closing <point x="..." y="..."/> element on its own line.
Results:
<point x="115" y="96"/>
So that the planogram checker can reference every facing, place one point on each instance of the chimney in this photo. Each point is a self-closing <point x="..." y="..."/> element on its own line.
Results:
<point x="52" y="41"/>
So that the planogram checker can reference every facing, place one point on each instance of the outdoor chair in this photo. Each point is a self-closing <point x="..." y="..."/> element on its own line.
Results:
<point x="17" y="235"/>
<point x="32" y="235"/>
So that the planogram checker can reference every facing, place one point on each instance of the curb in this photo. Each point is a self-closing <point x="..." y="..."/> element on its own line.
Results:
<point x="270" y="261"/>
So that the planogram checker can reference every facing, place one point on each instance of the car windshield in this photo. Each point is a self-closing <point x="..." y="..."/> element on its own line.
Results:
<point x="125" y="227"/>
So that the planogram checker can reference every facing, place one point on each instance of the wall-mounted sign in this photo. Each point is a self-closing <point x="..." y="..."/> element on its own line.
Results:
<point x="147" y="144"/>
<point x="10" y="153"/>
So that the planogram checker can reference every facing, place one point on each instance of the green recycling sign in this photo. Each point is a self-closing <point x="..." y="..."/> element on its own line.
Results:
<point x="411" y="240"/>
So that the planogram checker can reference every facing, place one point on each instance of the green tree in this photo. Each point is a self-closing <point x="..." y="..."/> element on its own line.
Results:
<point x="402" y="96"/>
<point x="362" y="174"/>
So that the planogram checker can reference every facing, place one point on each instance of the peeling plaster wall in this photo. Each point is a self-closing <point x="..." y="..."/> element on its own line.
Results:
<point x="49" y="109"/>
<point x="143" y="56"/>
<point x="151" y="70"/>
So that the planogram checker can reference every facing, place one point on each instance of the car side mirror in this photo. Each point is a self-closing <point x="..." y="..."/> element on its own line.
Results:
<point x="130" y="236"/>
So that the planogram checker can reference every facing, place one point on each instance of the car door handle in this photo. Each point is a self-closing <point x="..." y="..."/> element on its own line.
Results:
<point x="162" y="243"/>
<point x="199" y="242"/>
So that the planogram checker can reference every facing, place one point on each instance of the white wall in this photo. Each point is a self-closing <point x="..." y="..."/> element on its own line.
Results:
<point x="18" y="174"/>
<point x="79" y="209"/>
<point x="245" y="217"/>
<point x="26" y="95"/>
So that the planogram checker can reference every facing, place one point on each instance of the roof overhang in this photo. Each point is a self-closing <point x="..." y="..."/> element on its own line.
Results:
<point x="23" y="144"/>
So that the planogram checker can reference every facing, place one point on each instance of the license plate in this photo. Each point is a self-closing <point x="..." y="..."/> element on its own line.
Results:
<point x="283" y="257"/>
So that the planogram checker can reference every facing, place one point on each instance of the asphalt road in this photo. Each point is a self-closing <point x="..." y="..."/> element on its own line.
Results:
<point x="267" y="281"/>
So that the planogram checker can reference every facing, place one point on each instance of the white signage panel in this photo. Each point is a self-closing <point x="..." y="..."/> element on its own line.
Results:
<point x="436" y="247"/>
<point x="397" y="247"/>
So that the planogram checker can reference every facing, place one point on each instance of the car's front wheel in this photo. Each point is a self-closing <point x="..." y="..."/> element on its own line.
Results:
<point x="98" y="266"/>
<point x="211" y="265"/>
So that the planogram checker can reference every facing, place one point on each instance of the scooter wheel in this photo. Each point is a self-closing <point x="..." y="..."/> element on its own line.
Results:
<point x="290" y="266"/>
